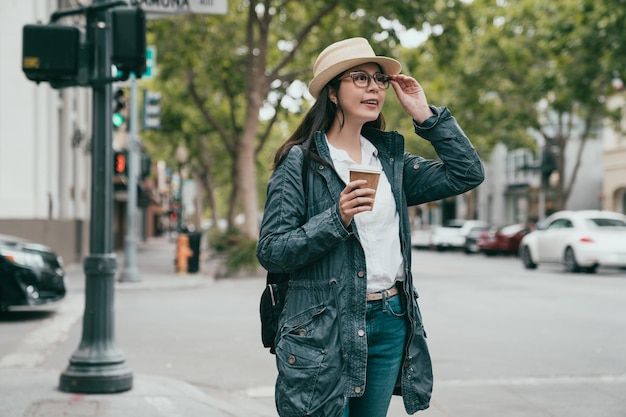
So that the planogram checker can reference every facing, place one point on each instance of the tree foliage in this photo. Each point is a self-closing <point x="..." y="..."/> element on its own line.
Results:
<point x="226" y="69"/>
<point x="509" y="71"/>
<point x="541" y="69"/>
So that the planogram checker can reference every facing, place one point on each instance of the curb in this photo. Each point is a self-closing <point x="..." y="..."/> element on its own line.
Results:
<point x="34" y="394"/>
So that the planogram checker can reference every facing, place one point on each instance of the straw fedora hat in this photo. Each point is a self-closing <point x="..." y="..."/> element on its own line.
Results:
<point x="343" y="55"/>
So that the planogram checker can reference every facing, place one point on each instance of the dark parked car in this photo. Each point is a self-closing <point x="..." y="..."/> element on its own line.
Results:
<point x="504" y="240"/>
<point x="31" y="274"/>
<point x="471" y="240"/>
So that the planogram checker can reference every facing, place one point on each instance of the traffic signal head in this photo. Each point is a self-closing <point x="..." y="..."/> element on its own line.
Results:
<point x="128" y="39"/>
<point x="120" y="163"/>
<point x="151" y="110"/>
<point x="119" y="104"/>
<point x="64" y="55"/>
<point x="54" y="53"/>
<point x="146" y="165"/>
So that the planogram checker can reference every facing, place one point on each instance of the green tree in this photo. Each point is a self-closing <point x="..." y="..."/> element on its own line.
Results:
<point x="533" y="68"/>
<point x="509" y="71"/>
<point x="228" y="68"/>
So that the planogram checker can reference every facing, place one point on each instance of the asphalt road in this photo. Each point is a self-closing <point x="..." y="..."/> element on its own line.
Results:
<point x="505" y="341"/>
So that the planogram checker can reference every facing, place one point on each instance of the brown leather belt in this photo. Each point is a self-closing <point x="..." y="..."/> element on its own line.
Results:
<point x="379" y="295"/>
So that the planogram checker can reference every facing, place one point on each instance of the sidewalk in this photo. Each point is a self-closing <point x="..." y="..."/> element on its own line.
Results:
<point x="32" y="391"/>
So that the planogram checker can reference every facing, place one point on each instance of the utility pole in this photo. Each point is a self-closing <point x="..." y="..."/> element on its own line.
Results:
<point x="98" y="366"/>
<point x="65" y="57"/>
<point x="130" y="273"/>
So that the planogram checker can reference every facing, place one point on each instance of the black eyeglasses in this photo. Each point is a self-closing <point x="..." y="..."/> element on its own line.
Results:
<point x="363" y="79"/>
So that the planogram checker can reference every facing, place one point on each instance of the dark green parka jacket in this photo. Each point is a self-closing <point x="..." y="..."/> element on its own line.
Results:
<point x="321" y="346"/>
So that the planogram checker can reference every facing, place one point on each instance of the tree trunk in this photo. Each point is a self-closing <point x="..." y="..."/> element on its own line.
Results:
<point x="247" y="187"/>
<point x="246" y="163"/>
<point x="257" y="32"/>
<point x="209" y="194"/>
<point x="232" y="199"/>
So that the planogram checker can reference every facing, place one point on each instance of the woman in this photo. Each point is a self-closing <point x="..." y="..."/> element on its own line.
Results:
<point x="350" y="334"/>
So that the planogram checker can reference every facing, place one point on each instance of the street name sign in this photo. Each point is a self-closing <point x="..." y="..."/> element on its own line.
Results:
<point x="183" y="6"/>
<point x="150" y="63"/>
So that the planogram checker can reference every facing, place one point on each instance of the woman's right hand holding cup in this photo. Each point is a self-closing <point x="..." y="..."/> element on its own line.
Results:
<point x="354" y="199"/>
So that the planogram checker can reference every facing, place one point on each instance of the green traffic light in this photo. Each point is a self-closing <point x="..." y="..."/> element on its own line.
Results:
<point x="118" y="119"/>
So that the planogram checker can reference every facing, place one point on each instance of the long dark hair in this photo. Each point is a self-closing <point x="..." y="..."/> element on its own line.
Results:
<point x="319" y="118"/>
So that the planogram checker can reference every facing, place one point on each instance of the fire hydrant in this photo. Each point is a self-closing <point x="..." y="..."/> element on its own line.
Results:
<point x="183" y="252"/>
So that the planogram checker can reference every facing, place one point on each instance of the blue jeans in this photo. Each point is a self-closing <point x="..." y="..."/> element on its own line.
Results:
<point x="386" y="335"/>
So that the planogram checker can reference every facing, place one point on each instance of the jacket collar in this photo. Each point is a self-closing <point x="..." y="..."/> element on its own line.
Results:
<point x="388" y="144"/>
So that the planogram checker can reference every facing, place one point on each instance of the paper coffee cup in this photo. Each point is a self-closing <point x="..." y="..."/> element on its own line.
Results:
<point x="367" y="173"/>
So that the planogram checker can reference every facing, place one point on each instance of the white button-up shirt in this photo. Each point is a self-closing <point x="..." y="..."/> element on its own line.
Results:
<point x="379" y="229"/>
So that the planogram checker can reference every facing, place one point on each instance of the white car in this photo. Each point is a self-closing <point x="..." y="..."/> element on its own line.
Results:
<point x="454" y="233"/>
<point x="421" y="237"/>
<point x="580" y="240"/>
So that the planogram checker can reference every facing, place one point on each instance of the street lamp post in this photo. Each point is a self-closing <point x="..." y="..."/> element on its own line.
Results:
<point x="181" y="158"/>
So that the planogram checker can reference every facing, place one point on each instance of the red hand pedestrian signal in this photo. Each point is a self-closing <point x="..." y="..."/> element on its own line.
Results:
<point x="120" y="163"/>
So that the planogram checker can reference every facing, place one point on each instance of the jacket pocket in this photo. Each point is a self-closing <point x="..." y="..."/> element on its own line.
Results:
<point x="298" y="374"/>
<point x="308" y="375"/>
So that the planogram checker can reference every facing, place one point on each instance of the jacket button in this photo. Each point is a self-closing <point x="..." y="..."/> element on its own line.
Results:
<point x="361" y="332"/>
<point x="291" y="360"/>
<point x="357" y="389"/>
<point x="302" y="332"/>
<point x="361" y="274"/>
<point x="321" y="167"/>
<point x="416" y="166"/>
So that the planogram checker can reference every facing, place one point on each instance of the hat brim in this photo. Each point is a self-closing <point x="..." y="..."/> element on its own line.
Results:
<point x="389" y="65"/>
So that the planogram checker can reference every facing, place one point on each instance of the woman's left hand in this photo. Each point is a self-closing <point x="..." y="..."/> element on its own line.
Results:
<point x="411" y="97"/>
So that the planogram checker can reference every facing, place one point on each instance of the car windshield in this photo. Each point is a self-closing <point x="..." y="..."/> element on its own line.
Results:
<point x="604" y="222"/>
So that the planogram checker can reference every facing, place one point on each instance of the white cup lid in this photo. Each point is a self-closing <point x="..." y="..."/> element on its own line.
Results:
<point x="365" y="168"/>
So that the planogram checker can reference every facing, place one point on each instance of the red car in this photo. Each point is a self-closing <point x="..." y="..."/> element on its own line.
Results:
<point x="504" y="240"/>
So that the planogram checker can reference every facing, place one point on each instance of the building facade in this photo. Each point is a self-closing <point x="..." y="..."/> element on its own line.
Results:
<point x="45" y="148"/>
<point x="513" y="191"/>
<point x="44" y="145"/>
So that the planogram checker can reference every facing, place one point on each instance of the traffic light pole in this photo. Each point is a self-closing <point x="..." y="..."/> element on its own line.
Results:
<point x="98" y="366"/>
<point x="130" y="273"/>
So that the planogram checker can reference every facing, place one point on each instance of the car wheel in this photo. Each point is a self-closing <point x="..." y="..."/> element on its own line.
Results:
<point x="569" y="260"/>
<point x="591" y="269"/>
<point x="527" y="259"/>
